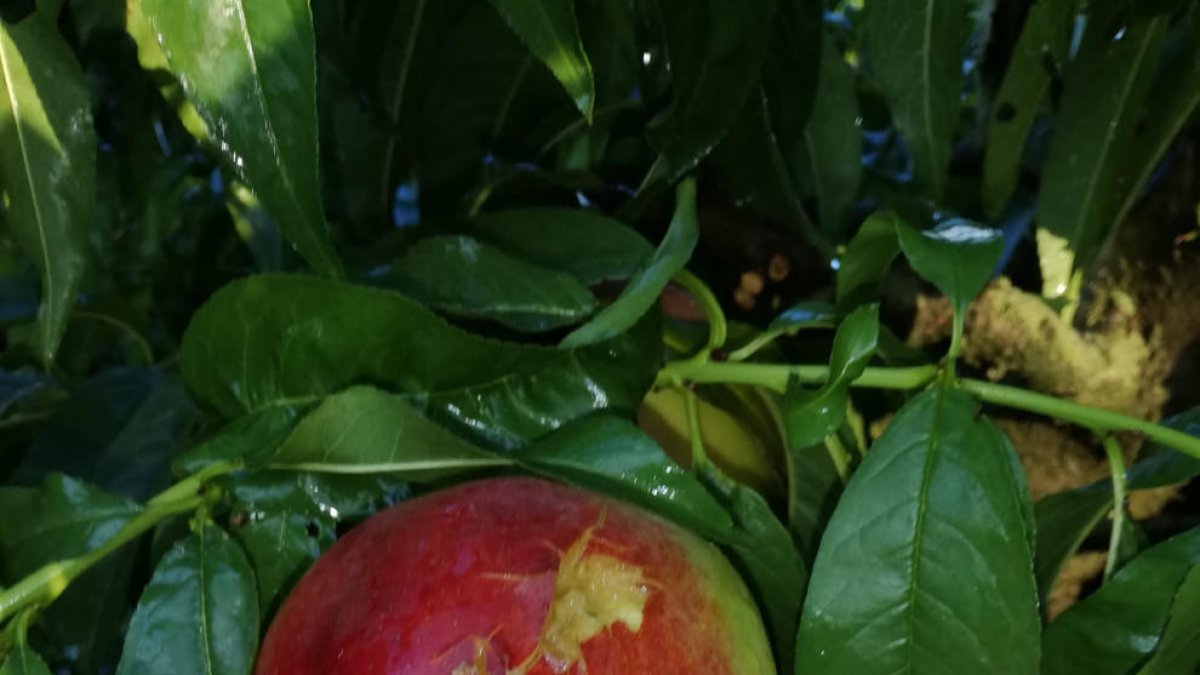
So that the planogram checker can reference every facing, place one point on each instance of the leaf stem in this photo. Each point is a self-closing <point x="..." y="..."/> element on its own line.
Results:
<point x="717" y="327"/>
<point x="692" y="405"/>
<point x="1116" y="464"/>
<point x="44" y="585"/>
<point x="775" y="376"/>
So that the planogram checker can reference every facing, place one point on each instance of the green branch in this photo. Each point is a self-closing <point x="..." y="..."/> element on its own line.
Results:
<point x="717" y="327"/>
<point x="776" y="376"/>
<point x="1116" y="464"/>
<point x="44" y="585"/>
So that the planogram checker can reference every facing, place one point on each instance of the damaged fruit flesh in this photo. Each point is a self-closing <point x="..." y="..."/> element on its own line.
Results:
<point x="517" y="576"/>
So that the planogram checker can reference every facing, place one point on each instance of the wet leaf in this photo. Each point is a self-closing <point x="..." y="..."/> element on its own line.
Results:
<point x="913" y="53"/>
<point x="282" y="340"/>
<point x="367" y="430"/>
<point x="199" y="613"/>
<point x="643" y="290"/>
<point x="811" y="416"/>
<point x="615" y="457"/>
<point x="251" y="73"/>
<point x="958" y="256"/>
<point x="1121" y="625"/>
<point x="939" y="504"/>
<point x="464" y="277"/>
<point x="1104" y="89"/>
<point x="548" y="29"/>
<point x="716" y="53"/>
<point x="47" y="163"/>
<point x="1041" y="48"/>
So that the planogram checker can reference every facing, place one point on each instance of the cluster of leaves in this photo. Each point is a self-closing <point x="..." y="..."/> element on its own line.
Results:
<point x="226" y="342"/>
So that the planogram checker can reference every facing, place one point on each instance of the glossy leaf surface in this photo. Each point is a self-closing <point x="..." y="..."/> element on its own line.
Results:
<point x="465" y="277"/>
<point x="555" y="238"/>
<point x="939" y="499"/>
<point x="251" y="73"/>
<point x="61" y="519"/>
<point x="47" y="163"/>
<point x="957" y="256"/>
<point x="644" y="288"/>
<point x="199" y="613"/>
<point x="913" y="50"/>
<point x="548" y="28"/>
<point x="811" y="416"/>
<point x="367" y="430"/>
<point x="1120" y="625"/>
<point x="274" y="340"/>
<point x="613" y="456"/>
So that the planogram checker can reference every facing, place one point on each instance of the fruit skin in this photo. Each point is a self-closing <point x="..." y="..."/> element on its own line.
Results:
<point x="461" y="582"/>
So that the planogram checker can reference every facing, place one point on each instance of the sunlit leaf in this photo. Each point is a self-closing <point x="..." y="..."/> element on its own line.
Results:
<point x="548" y="28"/>
<point x="47" y="163"/>
<point x="249" y="68"/>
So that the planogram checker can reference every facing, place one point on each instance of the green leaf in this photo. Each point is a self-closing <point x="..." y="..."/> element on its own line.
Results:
<point x="251" y="438"/>
<point x="250" y="70"/>
<point x="716" y="52"/>
<point x="913" y="52"/>
<point x="763" y="550"/>
<point x="287" y="519"/>
<point x="867" y="259"/>
<point x="792" y="67"/>
<point x="1065" y="519"/>
<point x="827" y="162"/>
<point x="64" y="518"/>
<point x="366" y="430"/>
<point x="22" y="660"/>
<point x="753" y="169"/>
<point x="811" y="416"/>
<point x="1179" y="647"/>
<point x="548" y="28"/>
<point x="615" y="457"/>
<point x="284" y="340"/>
<point x="1044" y="37"/>
<point x="958" y="256"/>
<point x="199" y="613"/>
<point x="464" y="277"/>
<point x="1121" y="625"/>
<point x="280" y="546"/>
<point x="814" y="488"/>
<point x="47" y="163"/>
<point x="88" y="621"/>
<point x="556" y="238"/>
<point x="119" y="431"/>
<point x="926" y="566"/>
<point x="1104" y="89"/>
<point x="1173" y="98"/>
<point x="641" y="294"/>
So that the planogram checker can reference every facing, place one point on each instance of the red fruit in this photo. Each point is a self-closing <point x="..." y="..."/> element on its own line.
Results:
<point x="517" y="576"/>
